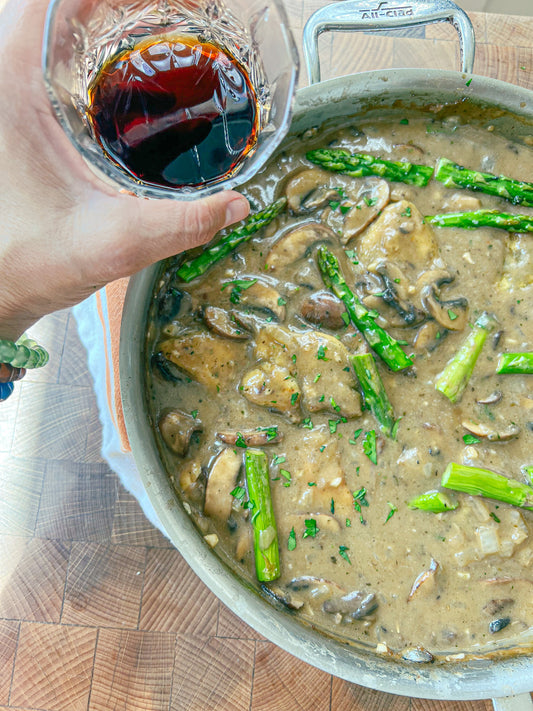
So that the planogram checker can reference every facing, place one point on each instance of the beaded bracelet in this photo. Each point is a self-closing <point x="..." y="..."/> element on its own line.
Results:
<point x="15" y="359"/>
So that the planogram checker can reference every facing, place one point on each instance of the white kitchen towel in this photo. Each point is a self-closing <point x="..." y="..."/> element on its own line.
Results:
<point x="98" y="319"/>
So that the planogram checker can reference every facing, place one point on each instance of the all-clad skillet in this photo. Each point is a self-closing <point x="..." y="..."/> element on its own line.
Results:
<point x="346" y="96"/>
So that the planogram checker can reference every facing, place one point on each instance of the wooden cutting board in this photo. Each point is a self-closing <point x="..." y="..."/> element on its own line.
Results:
<point x="97" y="611"/>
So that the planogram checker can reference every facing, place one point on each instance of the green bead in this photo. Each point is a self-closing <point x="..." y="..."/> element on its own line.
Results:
<point x="21" y="357"/>
<point x="8" y="350"/>
<point x="38" y="357"/>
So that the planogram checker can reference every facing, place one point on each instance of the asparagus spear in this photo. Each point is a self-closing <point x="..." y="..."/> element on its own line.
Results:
<point x="374" y="392"/>
<point x="456" y="176"/>
<point x="263" y="522"/>
<point x="515" y="363"/>
<point x="377" y="338"/>
<point x="193" y="268"/>
<point x="360" y="164"/>
<point x="435" y="501"/>
<point x="483" y="482"/>
<point x="455" y="376"/>
<point x="482" y="218"/>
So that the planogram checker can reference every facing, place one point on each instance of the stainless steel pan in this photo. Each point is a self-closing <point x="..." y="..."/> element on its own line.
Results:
<point x="346" y="96"/>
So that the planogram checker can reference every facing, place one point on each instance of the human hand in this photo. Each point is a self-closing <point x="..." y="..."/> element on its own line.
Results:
<point x="63" y="232"/>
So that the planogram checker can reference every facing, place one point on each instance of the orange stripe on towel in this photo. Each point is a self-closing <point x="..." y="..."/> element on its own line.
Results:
<point x="115" y="294"/>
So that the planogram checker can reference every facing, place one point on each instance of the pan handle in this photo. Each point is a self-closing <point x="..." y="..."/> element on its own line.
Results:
<point x="365" y="15"/>
<point x="521" y="702"/>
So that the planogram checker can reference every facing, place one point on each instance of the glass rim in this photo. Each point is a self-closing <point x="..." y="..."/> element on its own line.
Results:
<point x="103" y="167"/>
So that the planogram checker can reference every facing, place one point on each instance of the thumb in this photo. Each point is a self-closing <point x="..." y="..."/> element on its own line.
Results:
<point x="147" y="231"/>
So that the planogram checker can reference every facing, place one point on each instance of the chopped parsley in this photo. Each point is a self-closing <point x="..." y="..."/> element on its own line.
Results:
<point x="240" y="441"/>
<point x="294" y="398"/>
<point x="307" y="423"/>
<point x="348" y="522"/>
<point x="369" y="446"/>
<point x="194" y="414"/>
<point x="392" y="511"/>
<point x="334" y="204"/>
<point x="311" y="529"/>
<point x="470" y="439"/>
<point x="291" y="542"/>
<point x="321" y="353"/>
<point x="278" y="459"/>
<point x="334" y="405"/>
<point x="271" y="432"/>
<point x="317" y="377"/>
<point x="452" y="315"/>
<point x="370" y="201"/>
<point x="344" y="554"/>
<point x="238" y="493"/>
<point x="332" y="506"/>
<point x="345" y="209"/>
<point x="355" y="436"/>
<point x="282" y="301"/>
<point x="287" y="476"/>
<point x="404" y="121"/>
<point x="469" y="82"/>
<point x="405" y="213"/>
<point x="239" y="285"/>
<point x="493" y="516"/>
<point x="359" y="499"/>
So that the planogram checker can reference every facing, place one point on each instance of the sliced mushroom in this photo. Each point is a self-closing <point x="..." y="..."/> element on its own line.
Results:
<point x="166" y="369"/>
<point x="177" y="428"/>
<point x="426" y="579"/>
<point x="264" y="297"/>
<point x="491" y="399"/>
<point x="493" y="607"/>
<point x="251" y="438"/>
<point x="220" y="483"/>
<point x="352" y="606"/>
<point x="315" y="586"/>
<point x="407" y="151"/>
<point x="323" y="309"/>
<point x="486" y="432"/>
<point x="284" y="597"/>
<point x="309" y="190"/>
<point x="171" y="302"/>
<point x="428" y="337"/>
<point x="294" y="245"/>
<point x="220" y="322"/>
<point x="453" y="314"/>
<point x="395" y="294"/>
<point x="372" y="198"/>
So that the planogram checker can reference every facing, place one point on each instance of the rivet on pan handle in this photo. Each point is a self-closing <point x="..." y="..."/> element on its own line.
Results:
<point x="367" y="15"/>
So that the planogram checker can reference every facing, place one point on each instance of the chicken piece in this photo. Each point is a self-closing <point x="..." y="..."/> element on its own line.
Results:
<point x="399" y="235"/>
<point x="277" y="345"/>
<point x="206" y="358"/>
<point x="323" y="469"/>
<point x="325" y="375"/>
<point x="274" y="387"/>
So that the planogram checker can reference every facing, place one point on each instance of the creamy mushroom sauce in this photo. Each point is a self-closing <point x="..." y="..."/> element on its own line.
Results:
<point x="409" y="582"/>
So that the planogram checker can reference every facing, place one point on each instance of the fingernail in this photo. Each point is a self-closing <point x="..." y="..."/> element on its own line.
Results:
<point x="236" y="210"/>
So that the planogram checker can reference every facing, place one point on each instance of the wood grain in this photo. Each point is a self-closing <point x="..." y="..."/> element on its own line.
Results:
<point x="132" y="670"/>
<point x="53" y="667"/>
<point x="97" y="611"/>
